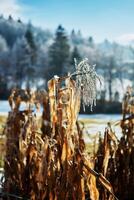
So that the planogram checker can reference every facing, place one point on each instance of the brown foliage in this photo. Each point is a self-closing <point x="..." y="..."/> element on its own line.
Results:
<point x="48" y="161"/>
<point x="115" y="158"/>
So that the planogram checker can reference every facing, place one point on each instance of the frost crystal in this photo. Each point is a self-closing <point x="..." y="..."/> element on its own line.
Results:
<point x="86" y="82"/>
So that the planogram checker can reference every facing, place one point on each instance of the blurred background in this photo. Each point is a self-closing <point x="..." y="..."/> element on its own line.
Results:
<point x="41" y="38"/>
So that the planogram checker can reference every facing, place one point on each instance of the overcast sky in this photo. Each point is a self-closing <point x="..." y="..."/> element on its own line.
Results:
<point x="111" y="19"/>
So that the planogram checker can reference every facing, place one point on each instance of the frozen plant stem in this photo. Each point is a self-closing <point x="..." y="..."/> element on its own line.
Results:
<point x="86" y="78"/>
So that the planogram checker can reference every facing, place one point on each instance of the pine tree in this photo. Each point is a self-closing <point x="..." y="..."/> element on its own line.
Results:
<point x="75" y="54"/>
<point x="76" y="38"/>
<point x="20" y="61"/>
<point x="73" y="37"/>
<point x="91" y="42"/>
<point x="59" y="52"/>
<point x="10" y="18"/>
<point x="30" y="39"/>
<point x="19" y="21"/>
<point x="31" y="68"/>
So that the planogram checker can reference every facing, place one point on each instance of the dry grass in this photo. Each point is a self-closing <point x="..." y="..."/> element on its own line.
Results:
<point x="2" y="140"/>
<point x="2" y="123"/>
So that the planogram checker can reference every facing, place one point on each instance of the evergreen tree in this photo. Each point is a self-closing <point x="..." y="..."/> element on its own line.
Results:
<point x="30" y="39"/>
<point x="75" y="54"/>
<point x="79" y="37"/>
<point x="31" y="68"/>
<point x="76" y="38"/>
<point x="59" y="53"/>
<point x="73" y="37"/>
<point x="10" y="18"/>
<point x="91" y="42"/>
<point x="19" y="21"/>
<point x="20" y="61"/>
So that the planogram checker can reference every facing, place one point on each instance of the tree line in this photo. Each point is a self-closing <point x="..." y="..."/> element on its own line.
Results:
<point x="29" y="56"/>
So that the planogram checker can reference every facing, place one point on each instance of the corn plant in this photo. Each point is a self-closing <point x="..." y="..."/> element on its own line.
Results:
<point x="45" y="155"/>
<point x="115" y="157"/>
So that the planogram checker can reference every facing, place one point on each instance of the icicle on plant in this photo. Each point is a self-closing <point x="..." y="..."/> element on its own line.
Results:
<point x="86" y="77"/>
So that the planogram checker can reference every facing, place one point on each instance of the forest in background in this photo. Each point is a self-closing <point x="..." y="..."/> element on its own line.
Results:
<point x="30" y="56"/>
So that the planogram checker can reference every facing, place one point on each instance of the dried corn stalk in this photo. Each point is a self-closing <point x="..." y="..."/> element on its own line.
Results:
<point x="115" y="158"/>
<point x="47" y="160"/>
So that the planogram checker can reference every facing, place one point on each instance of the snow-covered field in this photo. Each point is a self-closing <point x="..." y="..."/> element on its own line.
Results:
<point x="4" y="107"/>
<point x="98" y="121"/>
